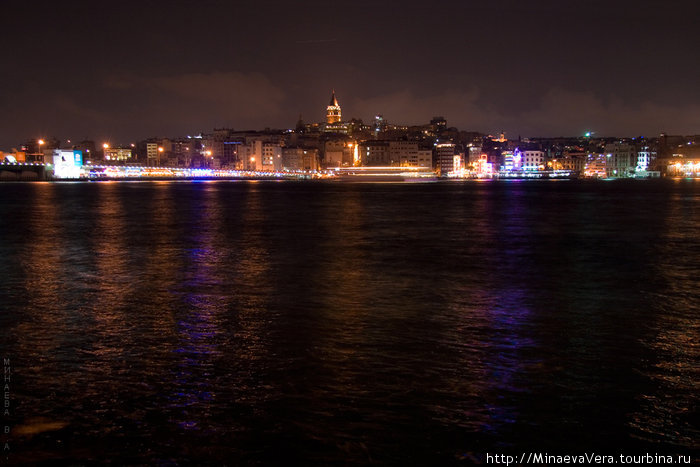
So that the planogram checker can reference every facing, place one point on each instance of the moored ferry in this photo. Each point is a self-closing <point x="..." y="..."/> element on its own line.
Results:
<point x="535" y="174"/>
<point x="384" y="174"/>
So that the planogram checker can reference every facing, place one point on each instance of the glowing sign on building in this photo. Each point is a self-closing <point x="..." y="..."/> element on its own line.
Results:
<point x="67" y="163"/>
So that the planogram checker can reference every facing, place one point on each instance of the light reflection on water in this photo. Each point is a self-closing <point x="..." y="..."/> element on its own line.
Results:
<point x="324" y="323"/>
<point x="670" y="411"/>
<point x="199" y="323"/>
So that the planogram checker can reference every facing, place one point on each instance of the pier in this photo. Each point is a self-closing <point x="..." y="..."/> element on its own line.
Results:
<point x="23" y="171"/>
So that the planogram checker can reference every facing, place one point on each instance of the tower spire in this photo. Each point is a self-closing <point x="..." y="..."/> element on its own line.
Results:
<point x="333" y="113"/>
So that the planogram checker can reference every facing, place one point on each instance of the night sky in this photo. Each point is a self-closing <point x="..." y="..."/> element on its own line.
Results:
<point x="122" y="71"/>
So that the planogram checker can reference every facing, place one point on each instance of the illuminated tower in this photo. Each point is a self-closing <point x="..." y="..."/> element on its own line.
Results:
<point x="333" y="111"/>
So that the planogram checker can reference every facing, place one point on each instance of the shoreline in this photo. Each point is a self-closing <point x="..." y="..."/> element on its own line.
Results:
<point x="335" y="180"/>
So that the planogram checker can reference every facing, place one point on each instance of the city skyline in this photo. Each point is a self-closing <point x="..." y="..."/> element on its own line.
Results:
<point x="130" y="71"/>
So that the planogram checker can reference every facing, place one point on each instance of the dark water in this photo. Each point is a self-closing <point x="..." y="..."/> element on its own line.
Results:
<point x="340" y="324"/>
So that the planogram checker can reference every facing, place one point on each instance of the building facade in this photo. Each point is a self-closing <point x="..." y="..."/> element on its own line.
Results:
<point x="445" y="156"/>
<point x="533" y="160"/>
<point x="622" y="160"/>
<point x="300" y="158"/>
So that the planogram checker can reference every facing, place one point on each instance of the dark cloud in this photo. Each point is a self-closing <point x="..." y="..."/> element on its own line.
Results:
<point x="189" y="102"/>
<point x="224" y="94"/>
<point x="562" y="112"/>
<point x="407" y="107"/>
<point x="565" y="112"/>
<point x="132" y="69"/>
<point x="71" y="110"/>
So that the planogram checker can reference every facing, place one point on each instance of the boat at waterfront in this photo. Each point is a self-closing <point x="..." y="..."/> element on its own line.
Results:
<point x="384" y="174"/>
<point x="538" y="174"/>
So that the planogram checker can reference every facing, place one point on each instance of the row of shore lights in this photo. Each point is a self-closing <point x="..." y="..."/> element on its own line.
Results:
<point x="41" y="142"/>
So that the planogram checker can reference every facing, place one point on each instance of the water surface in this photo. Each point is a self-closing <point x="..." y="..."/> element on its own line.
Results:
<point x="328" y="323"/>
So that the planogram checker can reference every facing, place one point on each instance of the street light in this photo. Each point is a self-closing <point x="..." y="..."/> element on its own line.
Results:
<point x="41" y="143"/>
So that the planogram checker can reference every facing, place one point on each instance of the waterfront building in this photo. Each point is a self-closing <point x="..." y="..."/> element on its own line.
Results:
<point x="419" y="158"/>
<point x="257" y="152"/>
<point x="670" y="144"/>
<point x="87" y="147"/>
<point x="117" y="154"/>
<point x="271" y="157"/>
<point x="475" y="151"/>
<point x="482" y="167"/>
<point x="386" y="153"/>
<point x="152" y="154"/>
<point x="533" y="160"/>
<point x="681" y="166"/>
<point x="572" y="161"/>
<point x="449" y="160"/>
<point x="250" y="155"/>
<point x="374" y="153"/>
<point x="409" y="154"/>
<point x="512" y="160"/>
<point x="183" y="153"/>
<point x="646" y="156"/>
<point x="493" y="148"/>
<point x="596" y="165"/>
<point x="165" y="149"/>
<point x="622" y="159"/>
<point x="218" y="148"/>
<point x="234" y="149"/>
<point x="339" y="152"/>
<point x="225" y="152"/>
<point x="299" y="158"/>
<point x="149" y="152"/>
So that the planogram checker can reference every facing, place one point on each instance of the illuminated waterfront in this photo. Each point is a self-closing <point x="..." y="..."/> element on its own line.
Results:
<point x="321" y="323"/>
